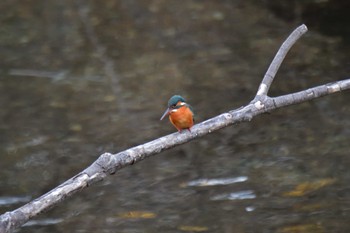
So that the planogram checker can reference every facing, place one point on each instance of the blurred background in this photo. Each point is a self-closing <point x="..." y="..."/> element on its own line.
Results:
<point x="79" y="78"/>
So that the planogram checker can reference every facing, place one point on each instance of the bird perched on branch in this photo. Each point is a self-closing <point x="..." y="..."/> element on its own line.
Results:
<point x="180" y="113"/>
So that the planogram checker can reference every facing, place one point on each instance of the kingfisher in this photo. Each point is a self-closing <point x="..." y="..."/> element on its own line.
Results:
<point x="180" y="113"/>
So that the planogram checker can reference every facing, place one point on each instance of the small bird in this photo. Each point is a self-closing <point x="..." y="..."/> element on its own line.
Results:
<point x="180" y="113"/>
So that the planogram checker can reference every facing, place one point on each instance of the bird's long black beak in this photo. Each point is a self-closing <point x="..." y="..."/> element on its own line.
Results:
<point x="165" y="113"/>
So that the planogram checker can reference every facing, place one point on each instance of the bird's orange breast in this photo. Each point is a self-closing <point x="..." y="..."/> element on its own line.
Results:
<point x="181" y="118"/>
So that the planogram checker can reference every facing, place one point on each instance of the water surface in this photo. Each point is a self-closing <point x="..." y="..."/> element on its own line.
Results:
<point x="79" y="78"/>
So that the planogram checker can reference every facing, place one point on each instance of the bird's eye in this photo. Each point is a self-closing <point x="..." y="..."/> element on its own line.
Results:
<point x="173" y="106"/>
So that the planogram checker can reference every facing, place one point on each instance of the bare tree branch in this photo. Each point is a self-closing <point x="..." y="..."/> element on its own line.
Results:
<point x="108" y="164"/>
<point x="278" y="59"/>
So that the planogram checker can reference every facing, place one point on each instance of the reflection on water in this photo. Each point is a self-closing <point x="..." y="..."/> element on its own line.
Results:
<point x="81" y="78"/>
<point x="219" y="181"/>
<point x="8" y="201"/>
<point x="38" y="73"/>
<point x="42" y="222"/>
<point x="241" y="195"/>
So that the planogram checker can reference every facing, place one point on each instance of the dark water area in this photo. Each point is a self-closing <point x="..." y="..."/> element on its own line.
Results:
<point x="79" y="78"/>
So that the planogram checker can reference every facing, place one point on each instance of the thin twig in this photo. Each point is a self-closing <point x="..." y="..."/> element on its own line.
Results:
<point x="278" y="59"/>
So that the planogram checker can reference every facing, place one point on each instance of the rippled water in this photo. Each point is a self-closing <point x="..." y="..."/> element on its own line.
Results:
<point x="81" y="78"/>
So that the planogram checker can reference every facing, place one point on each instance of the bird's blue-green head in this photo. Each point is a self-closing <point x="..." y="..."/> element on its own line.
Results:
<point x="172" y="104"/>
<point x="174" y="100"/>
